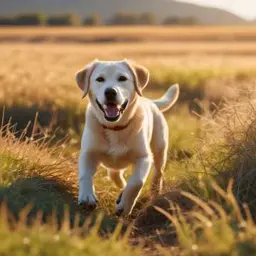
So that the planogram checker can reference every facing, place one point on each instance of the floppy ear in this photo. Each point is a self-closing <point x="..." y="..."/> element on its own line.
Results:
<point x="140" y="75"/>
<point x="83" y="77"/>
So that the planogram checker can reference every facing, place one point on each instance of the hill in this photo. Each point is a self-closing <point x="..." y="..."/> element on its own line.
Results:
<point x="106" y="8"/>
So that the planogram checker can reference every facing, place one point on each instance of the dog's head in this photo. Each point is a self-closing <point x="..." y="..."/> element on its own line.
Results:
<point x="112" y="86"/>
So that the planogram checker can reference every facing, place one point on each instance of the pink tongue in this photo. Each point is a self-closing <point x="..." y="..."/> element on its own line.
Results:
<point x="112" y="110"/>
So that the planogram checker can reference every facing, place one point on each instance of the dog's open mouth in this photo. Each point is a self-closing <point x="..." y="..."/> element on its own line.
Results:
<point x="112" y="111"/>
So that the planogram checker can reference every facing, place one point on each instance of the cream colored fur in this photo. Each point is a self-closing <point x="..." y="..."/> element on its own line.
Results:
<point x="142" y="143"/>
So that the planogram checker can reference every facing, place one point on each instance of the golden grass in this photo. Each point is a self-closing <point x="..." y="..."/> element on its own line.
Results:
<point x="44" y="74"/>
<point x="212" y="228"/>
<point x="159" y="33"/>
<point x="41" y="77"/>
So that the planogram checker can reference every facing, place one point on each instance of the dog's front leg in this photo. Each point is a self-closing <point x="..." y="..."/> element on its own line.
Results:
<point x="134" y="186"/>
<point x="87" y="169"/>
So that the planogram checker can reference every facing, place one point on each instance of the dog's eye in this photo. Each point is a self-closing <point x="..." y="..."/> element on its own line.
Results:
<point x="122" y="79"/>
<point x="100" y="79"/>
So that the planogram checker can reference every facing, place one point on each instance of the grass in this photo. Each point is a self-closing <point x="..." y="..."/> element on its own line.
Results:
<point x="138" y="33"/>
<point x="213" y="210"/>
<point x="211" y="230"/>
<point x="46" y="239"/>
<point x="50" y="88"/>
<point x="212" y="141"/>
<point x="25" y="179"/>
<point x="200" y="217"/>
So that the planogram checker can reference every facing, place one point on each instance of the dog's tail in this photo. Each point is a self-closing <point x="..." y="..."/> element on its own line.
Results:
<point x="168" y="99"/>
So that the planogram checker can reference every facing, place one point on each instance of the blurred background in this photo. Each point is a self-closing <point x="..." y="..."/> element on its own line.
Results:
<point x="29" y="12"/>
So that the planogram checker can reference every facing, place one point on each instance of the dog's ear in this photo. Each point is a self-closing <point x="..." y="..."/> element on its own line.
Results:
<point x="140" y="74"/>
<point x="83" y="77"/>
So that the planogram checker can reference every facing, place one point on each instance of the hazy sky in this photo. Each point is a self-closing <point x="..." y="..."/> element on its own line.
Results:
<point x="244" y="8"/>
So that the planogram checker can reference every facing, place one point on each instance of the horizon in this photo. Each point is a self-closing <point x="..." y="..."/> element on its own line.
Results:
<point x="245" y="10"/>
<point x="242" y="9"/>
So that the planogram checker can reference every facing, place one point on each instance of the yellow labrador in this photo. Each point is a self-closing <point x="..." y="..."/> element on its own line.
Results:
<point x="122" y="128"/>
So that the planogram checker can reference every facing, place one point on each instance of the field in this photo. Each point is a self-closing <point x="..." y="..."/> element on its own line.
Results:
<point x="208" y="205"/>
<point x="117" y="34"/>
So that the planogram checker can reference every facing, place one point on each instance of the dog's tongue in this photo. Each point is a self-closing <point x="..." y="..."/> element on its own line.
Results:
<point x="112" y="110"/>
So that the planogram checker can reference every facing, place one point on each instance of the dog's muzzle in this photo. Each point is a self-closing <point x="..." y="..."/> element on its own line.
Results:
<point x="112" y="110"/>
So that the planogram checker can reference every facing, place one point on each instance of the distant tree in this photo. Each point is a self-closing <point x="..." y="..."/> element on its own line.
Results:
<point x="6" y="21"/>
<point x="64" y="20"/>
<point x="92" y="20"/>
<point x="175" y="20"/>
<point x="30" y="19"/>
<point x="122" y="18"/>
<point x="147" y="18"/>
<point x="191" y="21"/>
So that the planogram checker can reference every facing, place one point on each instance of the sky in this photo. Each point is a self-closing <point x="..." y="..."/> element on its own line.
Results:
<point x="243" y="8"/>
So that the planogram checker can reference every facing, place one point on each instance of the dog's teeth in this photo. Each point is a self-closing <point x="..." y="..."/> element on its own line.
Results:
<point x="105" y="106"/>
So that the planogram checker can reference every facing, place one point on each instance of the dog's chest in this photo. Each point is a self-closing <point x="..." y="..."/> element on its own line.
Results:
<point x="117" y="144"/>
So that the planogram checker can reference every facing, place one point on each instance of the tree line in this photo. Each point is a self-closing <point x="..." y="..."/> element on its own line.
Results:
<point x="71" y="19"/>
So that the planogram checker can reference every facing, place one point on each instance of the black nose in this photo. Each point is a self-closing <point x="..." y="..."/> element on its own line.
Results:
<point x="110" y="93"/>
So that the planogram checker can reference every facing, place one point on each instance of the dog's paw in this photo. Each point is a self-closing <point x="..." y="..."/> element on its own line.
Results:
<point x="123" y="209"/>
<point x="88" y="202"/>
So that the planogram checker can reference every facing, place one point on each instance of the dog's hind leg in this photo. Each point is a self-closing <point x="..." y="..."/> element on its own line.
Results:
<point x="159" y="165"/>
<point x="159" y="149"/>
<point x="117" y="176"/>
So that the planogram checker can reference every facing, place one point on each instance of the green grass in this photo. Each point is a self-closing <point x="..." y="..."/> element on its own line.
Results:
<point x="48" y="239"/>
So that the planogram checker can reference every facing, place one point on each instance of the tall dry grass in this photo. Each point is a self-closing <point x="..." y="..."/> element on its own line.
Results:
<point x="31" y="172"/>
<point x="209" y="229"/>
<point x="231" y="144"/>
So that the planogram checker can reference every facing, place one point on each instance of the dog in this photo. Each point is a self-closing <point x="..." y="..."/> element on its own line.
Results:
<point x="122" y="128"/>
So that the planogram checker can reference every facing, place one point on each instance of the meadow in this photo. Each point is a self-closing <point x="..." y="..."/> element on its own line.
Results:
<point x="208" y="204"/>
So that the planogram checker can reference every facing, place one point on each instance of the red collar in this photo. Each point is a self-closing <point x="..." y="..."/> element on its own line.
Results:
<point x="116" y="128"/>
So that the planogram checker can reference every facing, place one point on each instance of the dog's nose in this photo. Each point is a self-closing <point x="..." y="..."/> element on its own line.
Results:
<point x="110" y="93"/>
